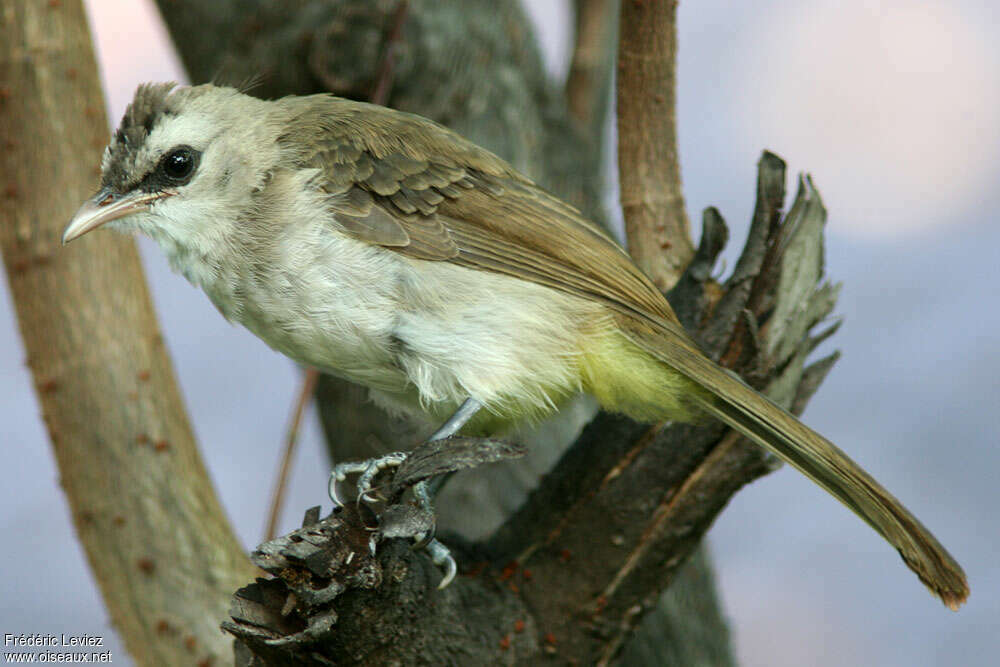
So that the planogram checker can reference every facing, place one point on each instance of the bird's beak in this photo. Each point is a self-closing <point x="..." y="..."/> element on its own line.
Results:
<point x="106" y="206"/>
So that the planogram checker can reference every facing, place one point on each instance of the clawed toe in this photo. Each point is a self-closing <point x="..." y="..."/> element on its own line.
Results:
<point x="441" y="556"/>
<point x="415" y="521"/>
<point x="369" y="470"/>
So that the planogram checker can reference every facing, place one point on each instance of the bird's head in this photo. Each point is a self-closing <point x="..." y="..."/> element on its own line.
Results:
<point x="182" y="164"/>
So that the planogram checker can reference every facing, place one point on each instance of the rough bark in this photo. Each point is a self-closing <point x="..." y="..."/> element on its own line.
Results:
<point x="144" y="509"/>
<point x="656" y="225"/>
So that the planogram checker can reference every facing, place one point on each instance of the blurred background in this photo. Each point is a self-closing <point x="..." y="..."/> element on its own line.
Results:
<point x="892" y="106"/>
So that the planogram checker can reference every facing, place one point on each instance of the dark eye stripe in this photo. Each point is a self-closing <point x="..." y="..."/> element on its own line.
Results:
<point x="176" y="168"/>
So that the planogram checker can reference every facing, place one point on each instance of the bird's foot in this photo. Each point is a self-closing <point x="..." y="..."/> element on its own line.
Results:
<point x="415" y="521"/>
<point x="369" y="470"/>
<point x="441" y="455"/>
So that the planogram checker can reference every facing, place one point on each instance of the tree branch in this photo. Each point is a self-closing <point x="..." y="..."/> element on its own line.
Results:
<point x="202" y="32"/>
<point x="656" y="224"/>
<point x="589" y="70"/>
<point x="144" y="509"/>
<point x="306" y="390"/>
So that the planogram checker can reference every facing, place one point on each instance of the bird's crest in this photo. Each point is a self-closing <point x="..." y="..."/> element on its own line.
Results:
<point x="148" y="107"/>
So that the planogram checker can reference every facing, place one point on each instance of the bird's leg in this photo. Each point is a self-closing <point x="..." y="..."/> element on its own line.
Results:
<point x="428" y="489"/>
<point x="466" y="411"/>
<point x="422" y="491"/>
<point x="372" y="467"/>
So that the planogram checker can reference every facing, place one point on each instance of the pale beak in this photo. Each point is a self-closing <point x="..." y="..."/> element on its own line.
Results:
<point x="106" y="206"/>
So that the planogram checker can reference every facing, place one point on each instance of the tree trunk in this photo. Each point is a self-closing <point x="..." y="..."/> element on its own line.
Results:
<point x="144" y="509"/>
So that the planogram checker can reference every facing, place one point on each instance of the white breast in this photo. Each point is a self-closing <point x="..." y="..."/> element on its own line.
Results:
<point x="327" y="301"/>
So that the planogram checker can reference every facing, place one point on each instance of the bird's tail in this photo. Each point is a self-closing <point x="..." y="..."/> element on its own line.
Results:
<point x="728" y="399"/>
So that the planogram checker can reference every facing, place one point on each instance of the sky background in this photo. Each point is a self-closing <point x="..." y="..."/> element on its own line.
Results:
<point x="892" y="106"/>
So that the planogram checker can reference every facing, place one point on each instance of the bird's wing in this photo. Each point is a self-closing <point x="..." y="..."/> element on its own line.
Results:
<point x="415" y="187"/>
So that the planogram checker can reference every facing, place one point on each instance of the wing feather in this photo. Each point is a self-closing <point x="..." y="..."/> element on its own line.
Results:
<point x="432" y="195"/>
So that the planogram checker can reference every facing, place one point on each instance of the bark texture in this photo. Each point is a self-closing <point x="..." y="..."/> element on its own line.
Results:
<point x="656" y="223"/>
<point x="144" y="509"/>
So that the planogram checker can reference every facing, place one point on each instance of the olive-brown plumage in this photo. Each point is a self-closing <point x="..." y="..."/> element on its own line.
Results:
<point x="382" y="247"/>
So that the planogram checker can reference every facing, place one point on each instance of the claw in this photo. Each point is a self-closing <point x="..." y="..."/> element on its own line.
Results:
<point x="364" y="497"/>
<point x="331" y="490"/>
<point x="441" y="556"/>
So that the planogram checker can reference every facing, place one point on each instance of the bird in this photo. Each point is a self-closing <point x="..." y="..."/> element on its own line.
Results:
<point x="384" y="248"/>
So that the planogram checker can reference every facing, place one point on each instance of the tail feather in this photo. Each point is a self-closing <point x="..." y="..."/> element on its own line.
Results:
<point x="740" y="407"/>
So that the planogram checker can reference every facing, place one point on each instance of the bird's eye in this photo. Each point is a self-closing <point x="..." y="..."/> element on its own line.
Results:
<point x="179" y="164"/>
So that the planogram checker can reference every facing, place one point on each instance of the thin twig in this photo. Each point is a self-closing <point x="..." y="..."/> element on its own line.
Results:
<point x="309" y="379"/>
<point x="594" y="23"/>
<point x="387" y="68"/>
